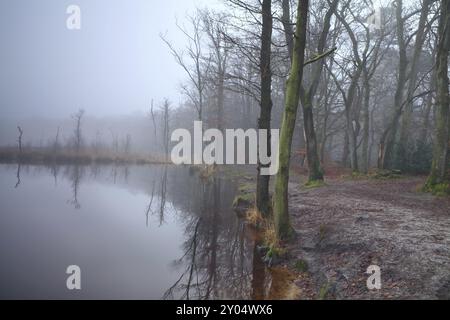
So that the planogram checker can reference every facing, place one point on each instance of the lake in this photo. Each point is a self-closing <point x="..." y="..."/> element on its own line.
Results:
<point x="142" y="232"/>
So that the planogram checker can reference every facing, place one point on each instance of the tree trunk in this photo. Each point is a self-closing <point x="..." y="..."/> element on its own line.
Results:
<point x="426" y="122"/>
<point x="287" y="26"/>
<point x="345" y="150"/>
<point x="314" y="165"/>
<point x="366" y="125"/>
<point x="323" y="140"/>
<point x="387" y="142"/>
<point x="351" y="121"/>
<point x="315" y="170"/>
<point x="262" y="185"/>
<point x="412" y="83"/>
<point x="423" y="137"/>
<point x="439" y="174"/>
<point x="221" y="100"/>
<point x="372" y="135"/>
<point x="281" y="208"/>
<point x="166" y="137"/>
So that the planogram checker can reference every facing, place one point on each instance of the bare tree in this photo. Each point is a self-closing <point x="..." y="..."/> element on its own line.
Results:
<point x="281" y="211"/>
<point x="351" y="94"/>
<point x="262" y="192"/>
<point x="406" y="84"/>
<point x="307" y="97"/>
<point x="152" y="115"/>
<point x="56" y="142"/>
<point x="215" y="28"/>
<point x="77" y="134"/>
<point x="307" y="94"/>
<point x="440" y="169"/>
<point x="166" y="128"/>
<point x="197" y="66"/>
<point x="19" y="140"/>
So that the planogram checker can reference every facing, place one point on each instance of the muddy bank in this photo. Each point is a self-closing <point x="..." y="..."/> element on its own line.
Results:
<point x="348" y="225"/>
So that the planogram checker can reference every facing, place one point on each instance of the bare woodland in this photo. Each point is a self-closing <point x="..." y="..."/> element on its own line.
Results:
<point x="348" y="83"/>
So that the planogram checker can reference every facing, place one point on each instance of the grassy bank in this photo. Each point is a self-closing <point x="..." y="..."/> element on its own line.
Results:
<point x="45" y="156"/>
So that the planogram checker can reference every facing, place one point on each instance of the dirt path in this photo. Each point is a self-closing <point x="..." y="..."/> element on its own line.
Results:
<point x="346" y="226"/>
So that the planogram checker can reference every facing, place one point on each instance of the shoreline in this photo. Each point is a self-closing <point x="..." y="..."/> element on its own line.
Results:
<point x="44" y="157"/>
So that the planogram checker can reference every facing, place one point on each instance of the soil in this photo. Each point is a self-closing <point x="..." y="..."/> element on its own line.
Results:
<point x="348" y="225"/>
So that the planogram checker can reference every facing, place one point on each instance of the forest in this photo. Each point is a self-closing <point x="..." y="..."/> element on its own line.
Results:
<point x="349" y="84"/>
<point x="358" y="90"/>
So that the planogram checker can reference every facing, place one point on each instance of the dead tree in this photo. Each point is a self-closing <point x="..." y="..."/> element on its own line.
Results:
<point x="166" y="110"/>
<point x="196" y="66"/>
<point x="214" y="25"/>
<point x="78" y="138"/>
<point x="152" y="114"/>
<point x="56" y="143"/>
<point x="20" y="138"/>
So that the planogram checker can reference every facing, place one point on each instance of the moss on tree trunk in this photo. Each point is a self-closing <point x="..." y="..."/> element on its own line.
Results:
<point x="439" y="170"/>
<point x="281" y="211"/>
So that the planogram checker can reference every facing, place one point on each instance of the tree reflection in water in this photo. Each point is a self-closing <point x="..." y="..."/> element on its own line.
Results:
<point x="162" y="196"/>
<point x="219" y="260"/>
<point x="149" y="207"/>
<point x="55" y="172"/>
<point x="19" y="166"/>
<point x="75" y="174"/>
<point x="219" y="257"/>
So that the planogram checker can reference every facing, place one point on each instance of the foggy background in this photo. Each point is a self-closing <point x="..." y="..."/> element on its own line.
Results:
<point x="112" y="68"/>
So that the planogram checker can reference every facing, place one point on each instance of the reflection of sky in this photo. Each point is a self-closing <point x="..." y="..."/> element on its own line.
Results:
<point x="41" y="234"/>
<point x="116" y="64"/>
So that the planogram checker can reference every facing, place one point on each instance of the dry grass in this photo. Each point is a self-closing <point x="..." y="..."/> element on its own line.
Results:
<point x="254" y="218"/>
<point x="266" y="231"/>
<point x="270" y="236"/>
<point x="206" y="172"/>
<point x="44" y="156"/>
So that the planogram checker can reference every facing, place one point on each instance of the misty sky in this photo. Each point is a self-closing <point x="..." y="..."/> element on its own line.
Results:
<point x="114" y="65"/>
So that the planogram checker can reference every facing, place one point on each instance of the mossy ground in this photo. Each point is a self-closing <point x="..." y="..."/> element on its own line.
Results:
<point x="315" y="184"/>
<point x="439" y="190"/>
<point x="376" y="174"/>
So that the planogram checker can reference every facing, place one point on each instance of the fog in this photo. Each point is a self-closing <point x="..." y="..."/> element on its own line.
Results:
<point x="95" y="173"/>
<point x="113" y="66"/>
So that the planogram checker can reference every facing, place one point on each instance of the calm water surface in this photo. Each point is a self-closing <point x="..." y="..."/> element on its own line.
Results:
<point x="135" y="232"/>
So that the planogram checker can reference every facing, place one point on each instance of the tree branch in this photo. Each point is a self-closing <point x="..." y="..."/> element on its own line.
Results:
<point x="320" y="56"/>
